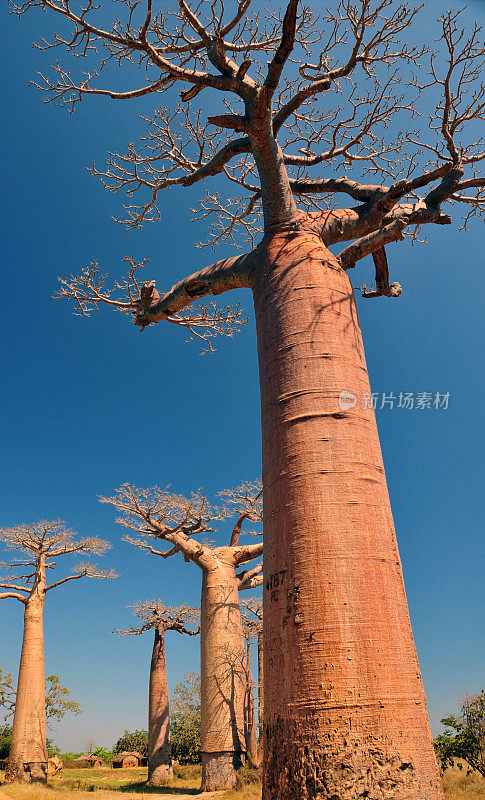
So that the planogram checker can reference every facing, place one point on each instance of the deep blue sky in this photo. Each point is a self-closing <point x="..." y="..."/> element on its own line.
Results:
<point x="89" y="403"/>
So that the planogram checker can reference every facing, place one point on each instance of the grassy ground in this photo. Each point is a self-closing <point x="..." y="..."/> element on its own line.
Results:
<point x="113" y="784"/>
<point x="460" y="786"/>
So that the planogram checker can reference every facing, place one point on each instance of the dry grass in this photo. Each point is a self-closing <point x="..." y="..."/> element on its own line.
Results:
<point x="460" y="786"/>
<point x="112" y="785"/>
<point x="109" y="784"/>
<point x="251" y="791"/>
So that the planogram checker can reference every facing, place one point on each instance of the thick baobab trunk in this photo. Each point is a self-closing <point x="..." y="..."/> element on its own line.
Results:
<point x="28" y="751"/>
<point x="223" y="678"/>
<point x="159" y="752"/>
<point x="345" y="710"/>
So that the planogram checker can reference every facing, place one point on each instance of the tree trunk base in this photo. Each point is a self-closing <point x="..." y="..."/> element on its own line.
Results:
<point x="32" y="772"/>
<point x="338" y="767"/>
<point x="254" y="759"/>
<point x="219" y="770"/>
<point x="160" y="775"/>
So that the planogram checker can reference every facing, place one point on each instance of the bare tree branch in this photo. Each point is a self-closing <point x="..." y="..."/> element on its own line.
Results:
<point x="156" y="513"/>
<point x="14" y="588"/>
<point x="16" y="596"/>
<point x="288" y="133"/>
<point x="250" y="579"/>
<point x="283" y="52"/>
<point x="164" y="515"/>
<point x="85" y="571"/>
<point x="146" y="306"/>
<point x="369" y="244"/>
<point x="155" y="614"/>
<point x="246" y="500"/>
<point x="248" y="552"/>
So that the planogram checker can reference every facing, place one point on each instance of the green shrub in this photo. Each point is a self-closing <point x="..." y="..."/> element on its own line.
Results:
<point x="132" y="740"/>
<point x="105" y="754"/>
<point x="185" y="739"/>
<point x="185" y="720"/>
<point x="5" y="738"/>
<point x="247" y="775"/>
<point x="187" y="772"/>
<point x="464" y="737"/>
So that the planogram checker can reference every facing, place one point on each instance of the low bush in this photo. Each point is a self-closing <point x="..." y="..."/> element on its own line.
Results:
<point x="248" y="775"/>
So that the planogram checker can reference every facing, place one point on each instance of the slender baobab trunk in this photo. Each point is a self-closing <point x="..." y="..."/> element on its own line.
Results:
<point x="28" y="751"/>
<point x="223" y="683"/>
<point x="159" y="751"/>
<point x="250" y="721"/>
<point x="345" y="710"/>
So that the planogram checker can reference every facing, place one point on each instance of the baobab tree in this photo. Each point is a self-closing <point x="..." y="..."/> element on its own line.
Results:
<point x="155" y="615"/>
<point x="40" y="545"/>
<point x="158" y="514"/>
<point x="344" y="701"/>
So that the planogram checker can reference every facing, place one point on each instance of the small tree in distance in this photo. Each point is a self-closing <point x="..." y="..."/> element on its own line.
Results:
<point x="104" y="753"/>
<point x="160" y="618"/>
<point x="5" y="739"/>
<point x="132" y="740"/>
<point x="40" y="545"/>
<point x="90" y="745"/>
<point x="57" y="702"/>
<point x="185" y="719"/>
<point x="464" y="737"/>
<point x="158" y="514"/>
<point x="7" y="693"/>
<point x="252" y="620"/>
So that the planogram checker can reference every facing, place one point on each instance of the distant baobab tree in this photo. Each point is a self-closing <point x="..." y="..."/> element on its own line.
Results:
<point x="155" y="615"/>
<point x="363" y="140"/>
<point x="158" y="514"/>
<point x="40" y="545"/>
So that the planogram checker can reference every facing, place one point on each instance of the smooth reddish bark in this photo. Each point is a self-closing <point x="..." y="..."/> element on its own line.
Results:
<point x="159" y="750"/>
<point x="28" y="751"/>
<point x="223" y="677"/>
<point x="344" y="705"/>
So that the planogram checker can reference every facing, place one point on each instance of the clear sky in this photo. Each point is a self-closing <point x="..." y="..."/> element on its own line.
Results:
<point x="87" y="404"/>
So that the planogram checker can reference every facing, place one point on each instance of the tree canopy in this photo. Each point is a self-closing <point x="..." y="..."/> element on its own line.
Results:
<point x="41" y="543"/>
<point x="58" y="702"/>
<point x="132" y="741"/>
<point x="464" y="736"/>
<point x="346" y="109"/>
<point x="185" y="719"/>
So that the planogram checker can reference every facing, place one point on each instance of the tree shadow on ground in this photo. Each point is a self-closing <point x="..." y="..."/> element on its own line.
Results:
<point x="143" y="788"/>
